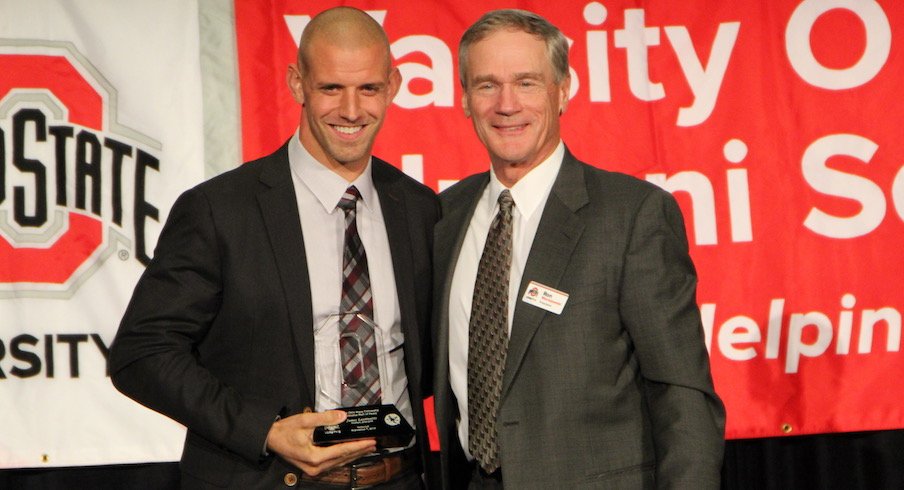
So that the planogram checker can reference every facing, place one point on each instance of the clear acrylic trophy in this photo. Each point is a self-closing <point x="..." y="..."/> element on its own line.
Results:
<point x="380" y="421"/>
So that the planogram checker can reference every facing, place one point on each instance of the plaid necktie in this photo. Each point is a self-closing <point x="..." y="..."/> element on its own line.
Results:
<point x="360" y="372"/>
<point x="488" y="337"/>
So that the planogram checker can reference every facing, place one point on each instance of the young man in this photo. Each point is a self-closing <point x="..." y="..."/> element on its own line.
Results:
<point x="223" y="333"/>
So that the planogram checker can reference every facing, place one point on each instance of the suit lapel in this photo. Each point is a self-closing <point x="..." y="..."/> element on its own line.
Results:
<point x="449" y="234"/>
<point x="557" y="235"/>
<point x="279" y="209"/>
<point x="395" y="211"/>
<point x="458" y="206"/>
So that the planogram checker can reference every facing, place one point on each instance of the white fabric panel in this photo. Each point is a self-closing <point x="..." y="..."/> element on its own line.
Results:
<point x="143" y="59"/>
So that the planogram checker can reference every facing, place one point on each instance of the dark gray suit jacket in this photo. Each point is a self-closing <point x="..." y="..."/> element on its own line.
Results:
<point x="218" y="334"/>
<point x="615" y="392"/>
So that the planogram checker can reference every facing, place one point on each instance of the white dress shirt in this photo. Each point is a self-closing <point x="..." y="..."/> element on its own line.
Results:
<point x="318" y="191"/>
<point x="530" y="194"/>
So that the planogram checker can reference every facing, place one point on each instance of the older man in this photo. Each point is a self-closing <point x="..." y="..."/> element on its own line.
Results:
<point x="229" y="330"/>
<point x="569" y="348"/>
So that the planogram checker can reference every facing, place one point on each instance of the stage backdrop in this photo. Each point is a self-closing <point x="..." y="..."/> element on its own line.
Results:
<point x="777" y="125"/>
<point x="100" y="130"/>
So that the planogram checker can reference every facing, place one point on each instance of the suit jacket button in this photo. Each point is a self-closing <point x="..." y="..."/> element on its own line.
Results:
<point x="291" y="479"/>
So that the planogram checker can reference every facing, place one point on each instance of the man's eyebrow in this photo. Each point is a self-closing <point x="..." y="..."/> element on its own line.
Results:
<point x="533" y="75"/>
<point x="340" y="85"/>
<point x="483" y="78"/>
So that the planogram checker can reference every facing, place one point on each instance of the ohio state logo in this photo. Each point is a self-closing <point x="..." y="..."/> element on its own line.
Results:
<point x="72" y="179"/>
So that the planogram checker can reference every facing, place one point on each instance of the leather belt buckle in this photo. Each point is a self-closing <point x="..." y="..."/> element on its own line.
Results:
<point x="353" y="475"/>
<point x="368" y="472"/>
<point x="380" y="471"/>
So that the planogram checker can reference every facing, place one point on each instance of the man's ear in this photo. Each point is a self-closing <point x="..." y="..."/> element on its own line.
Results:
<point x="395" y="83"/>
<point x="564" y="89"/>
<point x="294" y="81"/>
<point x="464" y="105"/>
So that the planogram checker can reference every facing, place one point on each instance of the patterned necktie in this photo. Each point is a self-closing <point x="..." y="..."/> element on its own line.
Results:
<point x="360" y="372"/>
<point x="488" y="337"/>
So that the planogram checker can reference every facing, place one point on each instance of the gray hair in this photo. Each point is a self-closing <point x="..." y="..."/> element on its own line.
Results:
<point x="516" y="20"/>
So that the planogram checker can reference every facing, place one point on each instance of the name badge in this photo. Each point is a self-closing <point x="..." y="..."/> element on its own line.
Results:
<point x="545" y="297"/>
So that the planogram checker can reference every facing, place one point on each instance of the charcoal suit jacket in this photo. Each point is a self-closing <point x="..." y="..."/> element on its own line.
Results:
<point x="614" y="392"/>
<point x="219" y="332"/>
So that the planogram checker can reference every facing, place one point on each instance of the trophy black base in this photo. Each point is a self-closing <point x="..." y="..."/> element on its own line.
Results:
<point x="381" y="422"/>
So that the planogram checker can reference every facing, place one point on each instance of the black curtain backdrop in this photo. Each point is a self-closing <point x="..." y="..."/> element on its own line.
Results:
<point x="859" y="460"/>
<point x="862" y="460"/>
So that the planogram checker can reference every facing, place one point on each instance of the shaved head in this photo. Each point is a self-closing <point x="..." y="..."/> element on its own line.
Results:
<point x="345" y="82"/>
<point x="343" y="27"/>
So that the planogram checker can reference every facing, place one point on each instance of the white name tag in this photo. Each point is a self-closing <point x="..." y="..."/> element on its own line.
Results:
<point x="545" y="297"/>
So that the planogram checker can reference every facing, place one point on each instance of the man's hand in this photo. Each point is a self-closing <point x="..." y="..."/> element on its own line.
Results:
<point x="292" y="438"/>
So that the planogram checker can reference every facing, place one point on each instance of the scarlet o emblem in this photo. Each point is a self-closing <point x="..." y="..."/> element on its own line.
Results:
<point x="62" y="161"/>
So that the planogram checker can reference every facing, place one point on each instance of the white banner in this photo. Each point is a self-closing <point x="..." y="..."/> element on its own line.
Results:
<point x="100" y="130"/>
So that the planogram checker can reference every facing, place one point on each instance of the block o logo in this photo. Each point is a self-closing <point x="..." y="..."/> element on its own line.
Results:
<point x="72" y="179"/>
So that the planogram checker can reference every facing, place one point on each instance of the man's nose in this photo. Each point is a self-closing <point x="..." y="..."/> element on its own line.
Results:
<point x="350" y="106"/>
<point x="508" y="102"/>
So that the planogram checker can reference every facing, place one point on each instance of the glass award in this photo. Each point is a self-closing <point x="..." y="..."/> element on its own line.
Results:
<point x="356" y="334"/>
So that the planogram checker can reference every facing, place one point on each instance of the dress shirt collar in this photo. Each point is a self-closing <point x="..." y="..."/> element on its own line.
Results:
<point x="326" y="185"/>
<point x="531" y="190"/>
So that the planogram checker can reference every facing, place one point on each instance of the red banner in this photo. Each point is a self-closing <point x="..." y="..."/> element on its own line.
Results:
<point x="775" y="124"/>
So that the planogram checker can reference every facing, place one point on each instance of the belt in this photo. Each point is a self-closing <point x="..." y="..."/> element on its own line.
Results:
<point x="368" y="471"/>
